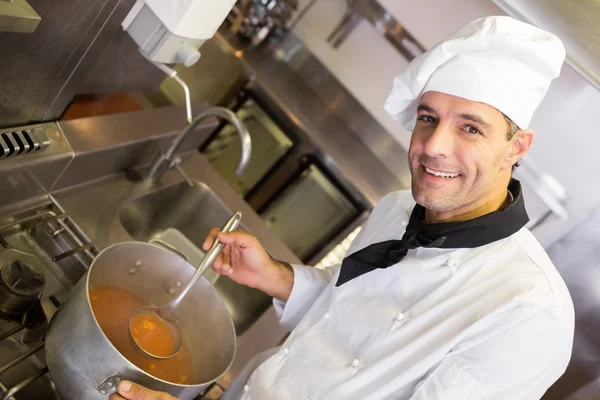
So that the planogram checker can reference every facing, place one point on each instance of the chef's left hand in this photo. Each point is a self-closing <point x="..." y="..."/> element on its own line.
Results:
<point x="132" y="391"/>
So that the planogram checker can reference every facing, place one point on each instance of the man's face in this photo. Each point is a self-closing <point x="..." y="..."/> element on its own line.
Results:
<point x="458" y="153"/>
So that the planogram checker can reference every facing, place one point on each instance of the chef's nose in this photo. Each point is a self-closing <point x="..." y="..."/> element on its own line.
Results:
<point x="440" y="142"/>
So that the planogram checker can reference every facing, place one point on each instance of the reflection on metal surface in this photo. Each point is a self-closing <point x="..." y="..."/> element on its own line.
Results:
<point x="18" y="16"/>
<point x="383" y="22"/>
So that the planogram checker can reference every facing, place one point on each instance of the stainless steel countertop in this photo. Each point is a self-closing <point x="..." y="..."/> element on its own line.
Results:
<point x="351" y="158"/>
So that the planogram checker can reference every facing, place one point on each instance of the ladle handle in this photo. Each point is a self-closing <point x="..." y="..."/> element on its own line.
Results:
<point x="210" y="256"/>
<point x="218" y="246"/>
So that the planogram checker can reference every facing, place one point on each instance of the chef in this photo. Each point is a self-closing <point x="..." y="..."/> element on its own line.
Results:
<point x="444" y="294"/>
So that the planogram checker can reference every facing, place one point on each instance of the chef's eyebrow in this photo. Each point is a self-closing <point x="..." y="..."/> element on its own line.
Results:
<point x="476" y="119"/>
<point x="425" y="107"/>
<point x="470" y="117"/>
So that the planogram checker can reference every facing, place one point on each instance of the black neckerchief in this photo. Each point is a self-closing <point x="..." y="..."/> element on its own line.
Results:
<point x="464" y="234"/>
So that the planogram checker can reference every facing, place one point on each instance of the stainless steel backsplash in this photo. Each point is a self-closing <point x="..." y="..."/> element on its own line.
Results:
<point x="32" y="175"/>
<point x="341" y="102"/>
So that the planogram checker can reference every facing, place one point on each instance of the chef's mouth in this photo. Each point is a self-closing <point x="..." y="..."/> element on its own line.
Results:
<point x="438" y="174"/>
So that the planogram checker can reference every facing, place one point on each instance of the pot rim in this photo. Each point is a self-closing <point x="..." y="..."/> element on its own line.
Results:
<point x="87" y="287"/>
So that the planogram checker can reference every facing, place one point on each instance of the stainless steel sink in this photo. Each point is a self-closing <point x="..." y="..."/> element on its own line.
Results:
<point x="193" y="210"/>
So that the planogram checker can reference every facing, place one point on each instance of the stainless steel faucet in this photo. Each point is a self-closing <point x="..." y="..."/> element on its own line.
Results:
<point x="165" y="160"/>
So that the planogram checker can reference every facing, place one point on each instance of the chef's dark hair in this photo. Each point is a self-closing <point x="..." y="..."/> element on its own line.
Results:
<point x="512" y="130"/>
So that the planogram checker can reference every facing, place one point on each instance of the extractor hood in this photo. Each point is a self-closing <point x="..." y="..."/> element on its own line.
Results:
<point x="18" y="16"/>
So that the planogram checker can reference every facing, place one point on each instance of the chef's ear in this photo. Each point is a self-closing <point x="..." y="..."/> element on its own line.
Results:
<point x="518" y="146"/>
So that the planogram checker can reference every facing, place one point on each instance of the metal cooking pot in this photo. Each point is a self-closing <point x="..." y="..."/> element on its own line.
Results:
<point x="85" y="365"/>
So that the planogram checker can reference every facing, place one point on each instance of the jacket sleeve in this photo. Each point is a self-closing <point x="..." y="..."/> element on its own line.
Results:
<point x="523" y="353"/>
<point x="309" y="283"/>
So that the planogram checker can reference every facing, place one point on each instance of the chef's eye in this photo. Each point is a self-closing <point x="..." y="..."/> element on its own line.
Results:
<point x="426" y="118"/>
<point x="472" y="129"/>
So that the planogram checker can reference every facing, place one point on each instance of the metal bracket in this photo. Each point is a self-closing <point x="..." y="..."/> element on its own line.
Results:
<point x="109" y="386"/>
<point x="383" y="22"/>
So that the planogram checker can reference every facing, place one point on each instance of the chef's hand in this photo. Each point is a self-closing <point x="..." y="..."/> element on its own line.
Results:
<point x="133" y="391"/>
<point x="246" y="262"/>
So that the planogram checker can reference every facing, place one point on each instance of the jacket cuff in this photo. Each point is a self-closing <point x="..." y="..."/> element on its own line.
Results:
<point x="309" y="283"/>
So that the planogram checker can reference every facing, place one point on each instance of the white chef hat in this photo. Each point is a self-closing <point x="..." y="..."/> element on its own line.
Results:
<point x="505" y="63"/>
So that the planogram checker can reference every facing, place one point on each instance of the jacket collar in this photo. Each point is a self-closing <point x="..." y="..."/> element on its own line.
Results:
<point x="462" y="234"/>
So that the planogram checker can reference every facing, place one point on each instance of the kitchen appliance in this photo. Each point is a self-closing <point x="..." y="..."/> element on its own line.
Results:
<point x="171" y="31"/>
<point x="290" y="182"/>
<point x="83" y="362"/>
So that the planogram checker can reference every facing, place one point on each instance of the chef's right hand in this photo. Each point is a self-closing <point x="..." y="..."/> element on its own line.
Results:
<point x="132" y="391"/>
<point x="245" y="261"/>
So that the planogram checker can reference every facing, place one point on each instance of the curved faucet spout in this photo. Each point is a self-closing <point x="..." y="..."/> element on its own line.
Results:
<point x="164" y="160"/>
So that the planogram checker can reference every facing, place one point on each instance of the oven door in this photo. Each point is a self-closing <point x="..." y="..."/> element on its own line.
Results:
<point x="310" y="212"/>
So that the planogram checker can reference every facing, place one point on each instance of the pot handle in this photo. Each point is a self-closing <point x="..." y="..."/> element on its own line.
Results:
<point x="109" y="386"/>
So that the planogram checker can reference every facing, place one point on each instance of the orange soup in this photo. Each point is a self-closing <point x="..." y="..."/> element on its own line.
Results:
<point x="153" y="335"/>
<point x="113" y="308"/>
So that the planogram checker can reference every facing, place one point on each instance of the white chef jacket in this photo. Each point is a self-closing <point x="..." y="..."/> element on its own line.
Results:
<point x="492" y="322"/>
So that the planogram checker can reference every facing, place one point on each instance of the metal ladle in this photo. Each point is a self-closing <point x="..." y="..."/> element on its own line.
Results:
<point x="167" y="313"/>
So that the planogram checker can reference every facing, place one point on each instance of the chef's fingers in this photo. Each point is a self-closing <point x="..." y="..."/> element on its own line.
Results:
<point x="220" y="264"/>
<point x="210" y="238"/>
<point x="132" y="391"/>
<point x="223" y="264"/>
<point x="238" y="238"/>
<point x="116" y="396"/>
<point x="226" y="260"/>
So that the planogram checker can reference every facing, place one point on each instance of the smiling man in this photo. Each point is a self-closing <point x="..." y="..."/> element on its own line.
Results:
<point x="444" y="294"/>
<point x="461" y="157"/>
